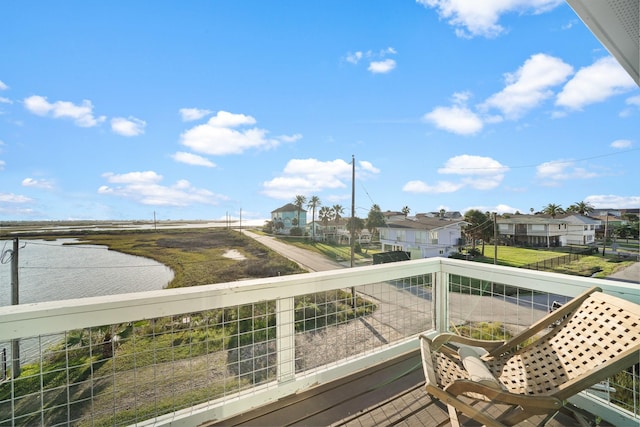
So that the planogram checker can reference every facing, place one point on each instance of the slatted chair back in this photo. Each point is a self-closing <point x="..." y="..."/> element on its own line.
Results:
<point x="596" y="340"/>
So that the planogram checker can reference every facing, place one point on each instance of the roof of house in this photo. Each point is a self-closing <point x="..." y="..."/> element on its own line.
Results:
<point x="615" y="23"/>
<point x="289" y="207"/>
<point x="566" y="218"/>
<point x="424" y="223"/>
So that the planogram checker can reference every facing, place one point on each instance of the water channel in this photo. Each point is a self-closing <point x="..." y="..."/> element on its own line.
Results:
<point x="51" y="270"/>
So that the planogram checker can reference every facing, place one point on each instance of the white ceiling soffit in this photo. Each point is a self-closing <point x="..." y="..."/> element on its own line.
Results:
<point x="616" y="24"/>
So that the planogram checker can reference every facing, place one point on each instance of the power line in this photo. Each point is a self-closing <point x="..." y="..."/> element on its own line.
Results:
<point x="557" y="162"/>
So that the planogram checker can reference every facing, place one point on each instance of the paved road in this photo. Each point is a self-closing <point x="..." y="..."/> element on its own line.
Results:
<point x="309" y="260"/>
<point x="629" y="274"/>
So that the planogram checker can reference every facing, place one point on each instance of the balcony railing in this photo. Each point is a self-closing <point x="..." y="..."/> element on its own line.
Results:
<point x="209" y="352"/>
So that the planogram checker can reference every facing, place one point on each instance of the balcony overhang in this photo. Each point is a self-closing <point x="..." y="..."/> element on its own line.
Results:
<point x="616" y="24"/>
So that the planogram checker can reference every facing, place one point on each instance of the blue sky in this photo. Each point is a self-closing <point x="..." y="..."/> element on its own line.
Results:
<point x="196" y="110"/>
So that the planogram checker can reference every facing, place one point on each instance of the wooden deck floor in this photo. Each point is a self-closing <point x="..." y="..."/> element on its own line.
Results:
<point x="390" y="394"/>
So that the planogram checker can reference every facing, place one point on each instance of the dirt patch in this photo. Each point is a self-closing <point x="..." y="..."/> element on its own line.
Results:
<point x="234" y="254"/>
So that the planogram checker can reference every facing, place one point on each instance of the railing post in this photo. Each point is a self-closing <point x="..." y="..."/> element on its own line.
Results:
<point x="285" y="337"/>
<point x="441" y="301"/>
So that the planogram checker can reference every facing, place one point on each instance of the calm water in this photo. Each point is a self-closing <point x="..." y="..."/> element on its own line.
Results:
<point x="49" y="270"/>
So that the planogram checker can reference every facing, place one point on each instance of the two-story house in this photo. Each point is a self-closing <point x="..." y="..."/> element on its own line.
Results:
<point x="337" y="231"/>
<point x="286" y="217"/>
<point x="545" y="231"/>
<point x="422" y="236"/>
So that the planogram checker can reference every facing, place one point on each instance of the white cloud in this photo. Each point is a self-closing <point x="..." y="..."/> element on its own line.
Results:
<point x="480" y="18"/>
<point x="551" y="173"/>
<point x="438" y="188"/>
<point x="191" y="114"/>
<point x="130" y="126"/>
<point x="4" y="100"/>
<point x="146" y="177"/>
<point x="2" y="163"/>
<point x="500" y="209"/>
<point x="479" y="173"/>
<point x="382" y="67"/>
<point x="633" y="100"/>
<point x="192" y="159"/>
<point x="456" y="119"/>
<point x="37" y="183"/>
<point x="621" y="143"/>
<point x="14" y="198"/>
<point x="595" y="83"/>
<point x="367" y="167"/>
<point x="290" y="138"/>
<point x="529" y="85"/>
<point x="354" y="58"/>
<point x="82" y="115"/>
<point x="3" y="86"/>
<point x="219" y="136"/>
<point x="145" y="188"/>
<point x="612" y="201"/>
<point x="308" y="176"/>
<point x="378" y="63"/>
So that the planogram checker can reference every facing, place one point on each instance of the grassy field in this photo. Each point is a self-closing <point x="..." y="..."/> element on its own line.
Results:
<point x="197" y="255"/>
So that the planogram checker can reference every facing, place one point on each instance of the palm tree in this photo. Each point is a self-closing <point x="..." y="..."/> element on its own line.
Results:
<point x="553" y="210"/>
<point x="583" y="208"/>
<point x="405" y="211"/>
<point x="299" y="202"/>
<point x="313" y="203"/>
<point x="325" y="214"/>
<point x="338" y="210"/>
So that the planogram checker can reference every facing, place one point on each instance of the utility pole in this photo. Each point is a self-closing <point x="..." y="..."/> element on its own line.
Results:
<point x="604" y="239"/>
<point x="15" y="300"/>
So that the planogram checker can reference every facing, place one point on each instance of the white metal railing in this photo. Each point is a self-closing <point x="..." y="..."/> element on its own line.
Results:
<point x="195" y="354"/>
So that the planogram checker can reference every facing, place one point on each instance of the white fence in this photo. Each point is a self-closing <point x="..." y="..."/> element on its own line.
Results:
<point x="190" y="355"/>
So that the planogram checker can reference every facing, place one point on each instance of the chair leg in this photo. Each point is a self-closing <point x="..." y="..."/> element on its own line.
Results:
<point x="453" y="416"/>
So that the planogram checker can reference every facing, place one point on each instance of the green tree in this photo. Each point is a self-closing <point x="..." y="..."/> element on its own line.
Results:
<point x="553" y="210"/>
<point x="299" y="202"/>
<point x="356" y="224"/>
<point x="479" y="226"/>
<point x="405" y="211"/>
<point x="314" y="202"/>
<point x="375" y="219"/>
<point x="583" y="208"/>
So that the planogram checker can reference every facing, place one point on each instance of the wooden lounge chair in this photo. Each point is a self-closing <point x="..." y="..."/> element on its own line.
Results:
<point x="580" y="344"/>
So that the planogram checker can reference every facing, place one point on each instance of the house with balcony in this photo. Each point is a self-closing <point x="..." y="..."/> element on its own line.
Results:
<point x="337" y="231"/>
<point x="545" y="231"/>
<point x="421" y="236"/>
<point x="286" y="217"/>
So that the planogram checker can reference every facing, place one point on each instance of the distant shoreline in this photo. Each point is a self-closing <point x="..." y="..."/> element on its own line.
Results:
<point x="17" y="227"/>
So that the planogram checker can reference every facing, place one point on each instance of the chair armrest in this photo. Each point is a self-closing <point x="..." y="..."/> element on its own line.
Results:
<point x="539" y="404"/>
